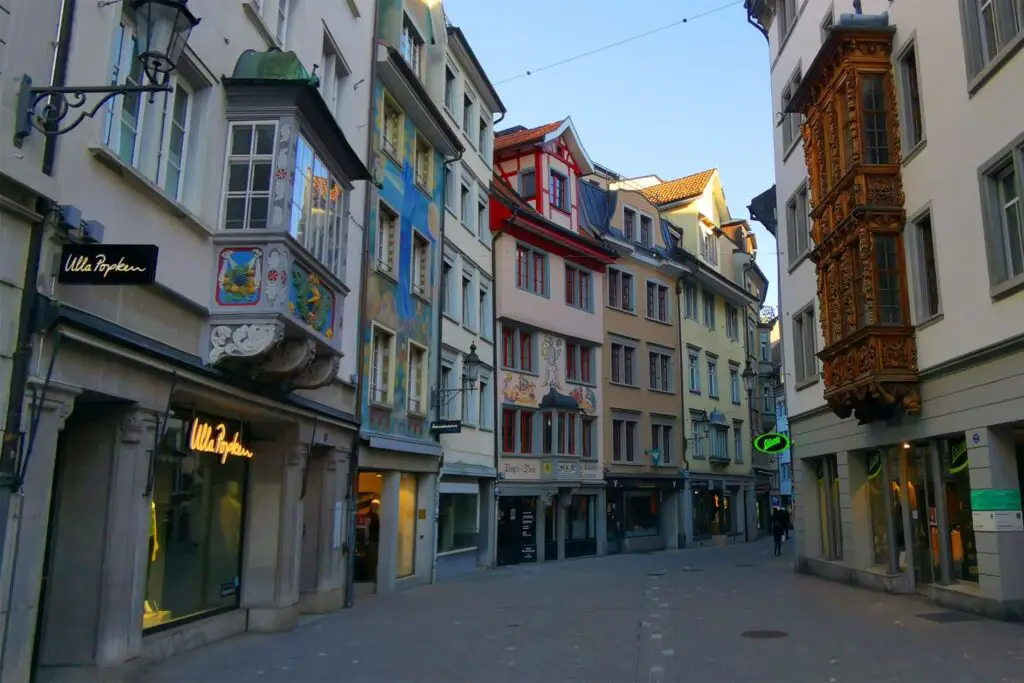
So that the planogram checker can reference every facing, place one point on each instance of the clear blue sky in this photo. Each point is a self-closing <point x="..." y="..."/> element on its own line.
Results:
<point x="692" y="97"/>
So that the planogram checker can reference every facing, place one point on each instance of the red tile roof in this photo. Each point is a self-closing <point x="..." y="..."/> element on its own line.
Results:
<point x="678" y="189"/>
<point x="523" y="137"/>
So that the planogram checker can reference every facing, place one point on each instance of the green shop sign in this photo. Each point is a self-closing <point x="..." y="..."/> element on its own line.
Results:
<point x="995" y="500"/>
<point x="771" y="443"/>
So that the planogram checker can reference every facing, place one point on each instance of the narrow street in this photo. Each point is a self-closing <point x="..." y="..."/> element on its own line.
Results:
<point x="677" y="616"/>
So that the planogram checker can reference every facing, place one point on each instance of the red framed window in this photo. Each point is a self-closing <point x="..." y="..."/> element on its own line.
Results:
<point x="586" y="437"/>
<point x="522" y="267"/>
<point x="584" y="365"/>
<point x="570" y="434"/>
<point x="571" y="371"/>
<point x="508" y="430"/>
<point x="525" y="431"/>
<point x="584" y="288"/>
<point x="570" y="286"/>
<point x="539" y="286"/>
<point x="526" y="351"/>
<point x="508" y="347"/>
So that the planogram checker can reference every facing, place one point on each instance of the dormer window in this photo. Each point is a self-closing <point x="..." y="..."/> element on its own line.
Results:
<point x="708" y="246"/>
<point x="645" y="230"/>
<point x="559" y="191"/>
<point x="629" y="224"/>
<point x="411" y="46"/>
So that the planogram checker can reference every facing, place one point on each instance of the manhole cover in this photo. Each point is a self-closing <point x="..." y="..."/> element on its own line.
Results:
<point x="690" y="569"/>
<point x="764" y="634"/>
<point x="746" y="565"/>
<point x="949" y="617"/>
<point x="656" y="572"/>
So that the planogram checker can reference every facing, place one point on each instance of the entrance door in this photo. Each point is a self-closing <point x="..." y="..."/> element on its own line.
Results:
<point x="517" y="530"/>
<point x="613" y="522"/>
<point x="923" y="524"/>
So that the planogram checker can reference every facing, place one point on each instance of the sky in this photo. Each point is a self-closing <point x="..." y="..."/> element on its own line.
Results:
<point x="691" y="97"/>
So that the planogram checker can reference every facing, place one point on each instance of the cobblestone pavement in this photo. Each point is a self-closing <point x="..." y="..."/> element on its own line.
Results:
<point x="673" y="616"/>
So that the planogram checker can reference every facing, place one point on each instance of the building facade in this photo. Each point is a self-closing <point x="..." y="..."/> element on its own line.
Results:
<point x="713" y="303"/>
<point x="643" y="433"/>
<point x="186" y="466"/>
<point x="906" y="426"/>
<point x="549" y="285"/>
<point x="402" y="361"/>
<point x="465" y="525"/>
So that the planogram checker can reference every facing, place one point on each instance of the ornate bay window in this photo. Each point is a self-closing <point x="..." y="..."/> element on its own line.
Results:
<point x="279" y="285"/>
<point x="852" y="152"/>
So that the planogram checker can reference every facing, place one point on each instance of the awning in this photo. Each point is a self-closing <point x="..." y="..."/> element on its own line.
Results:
<point x="395" y="443"/>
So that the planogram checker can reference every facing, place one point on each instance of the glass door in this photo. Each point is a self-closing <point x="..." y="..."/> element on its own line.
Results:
<point x="924" y="528"/>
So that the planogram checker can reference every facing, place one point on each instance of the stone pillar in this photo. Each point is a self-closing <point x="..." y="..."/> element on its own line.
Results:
<point x="426" y="527"/>
<point x="750" y="504"/>
<point x="807" y="521"/>
<point x="273" y="535"/>
<point x="668" y="518"/>
<point x="541" y="529"/>
<point x="600" y="501"/>
<point x="686" y="515"/>
<point x="326" y="517"/>
<point x="25" y="538"/>
<point x="487" y="529"/>
<point x="855" y="509"/>
<point x="938" y="494"/>
<point x="992" y="460"/>
<point x="561" y="515"/>
<point x="387" y="547"/>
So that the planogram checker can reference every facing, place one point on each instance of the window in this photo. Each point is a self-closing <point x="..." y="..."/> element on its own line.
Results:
<point x="645" y="230"/>
<point x="708" y="246"/>
<point x="467" y="112"/>
<point x="888" y="276"/>
<point x="457" y="520"/>
<point x="577" y="288"/>
<point x="732" y="322"/>
<point x="712" y="378"/>
<point x="318" y="209"/>
<point x="281" y="26"/>
<point x="558" y="436"/>
<point x="417" y="378"/>
<point x="827" y="23"/>
<point x="990" y="27"/>
<point x="334" y="76"/>
<point x="734" y="383"/>
<point x="804" y="338"/>
<point x="410" y="45"/>
<point x="449" y="89"/>
<point x="765" y="347"/>
<point x="451" y="185"/>
<point x="690" y="300"/>
<point x="420" y="264"/>
<point x="559" y="191"/>
<point x="517" y="430"/>
<point x="486" y="418"/>
<point x="466" y="205"/>
<point x="483" y="225"/>
<point x="768" y="400"/>
<point x="910" y="109"/>
<point x="737" y="441"/>
<point x="660" y="365"/>
<point x="387" y="234"/>
<point x="531" y="270"/>
<point x="423" y="162"/>
<point x="623" y="364"/>
<point x="391" y="129"/>
<point x="624" y="440"/>
<point x="468" y="299"/>
<point x="528" y="184"/>
<point x="699" y="430"/>
<point x="587" y="437"/>
<point x="470" y="407"/>
<point x="578" y="362"/>
<point x="620" y="290"/>
<point x="790" y="122"/>
<point x="447" y="385"/>
<point x="380" y="371"/>
<point x="798" y="231"/>
<point x="657" y="302"/>
<point x="1002" y="187"/>
<point x="875" y="129"/>
<point x="709" y="310"/>
<point x="482" y="136"/>
<point x="447" y="304"/>
<point x="629" y="224"/>
<point x="719" y="442"/>
<point x="661" y="441"/>
<point x="249" y="168"/>
<point x="484" y="309"/>
<point x="517" y="349"/>
<point x="787" y="17"/>
<point x="694" y="368"/>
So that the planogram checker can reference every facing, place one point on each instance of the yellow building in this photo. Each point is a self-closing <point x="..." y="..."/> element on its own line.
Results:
<point x="713" y="301"/>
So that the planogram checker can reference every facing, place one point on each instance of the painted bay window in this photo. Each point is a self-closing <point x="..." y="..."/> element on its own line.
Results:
<point x="889" y="278"/>
<point x="578" y="288"/>
<point x="531" y="270"/>
<point x="250" y="165"/>
<point x="517" y="430"/>
<point x="318" y="208"/>
<point x="558" y="436"/>
<point x="517" y="349"/>
<point x="875" y="128"/>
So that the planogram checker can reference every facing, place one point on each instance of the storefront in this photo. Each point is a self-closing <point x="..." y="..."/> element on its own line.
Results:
<point x="721" y="507"/>
<point x="465" y="520"/>
<point x="643" y="513"/>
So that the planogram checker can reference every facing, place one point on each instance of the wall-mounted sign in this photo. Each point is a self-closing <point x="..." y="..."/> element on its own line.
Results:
<point x="957" y="456"/>
<point x="771" y="443"/>
<point x="874" y="464"/>
<point x="108" y="264"/>
<point x="446" y="427"/>
<point x="215" y="438"/>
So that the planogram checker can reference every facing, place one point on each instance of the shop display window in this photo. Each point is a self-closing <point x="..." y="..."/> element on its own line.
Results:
<point x="641" y="509"/>
<point x="405" y="562"/>
<point x="457" y="521"/>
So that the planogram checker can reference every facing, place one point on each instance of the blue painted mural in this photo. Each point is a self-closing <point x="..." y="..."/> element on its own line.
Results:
<point x="390" y="300"/>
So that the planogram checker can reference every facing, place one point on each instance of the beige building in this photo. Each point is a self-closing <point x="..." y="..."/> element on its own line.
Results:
<point x="643" y="432"/>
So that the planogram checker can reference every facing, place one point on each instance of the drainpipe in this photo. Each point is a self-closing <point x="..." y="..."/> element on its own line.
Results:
<point x="364" y="272"/>
<point x="445" y="170"/>
<point x="686" y="500"/>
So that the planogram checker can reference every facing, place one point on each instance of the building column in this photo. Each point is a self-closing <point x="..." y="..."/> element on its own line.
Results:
<point x="855" y="509"/>
<point x="992" y="459"/>
<point x="669" y="518"/>
<point x="807" y="521"/>
<point x="686" y="515"/>
<point x="487" y="530"/>
<point x="561" y="515"/>
<point x="324" y="582"/>
<point x="750" y="507"/>
<point x="273" y="536"/>
<point x="25" y="539"/>
<point x="387" y="546"/>
<point x="601" y="512"/>
<point x="426" y="527"/>
<point x="541" y="528"/>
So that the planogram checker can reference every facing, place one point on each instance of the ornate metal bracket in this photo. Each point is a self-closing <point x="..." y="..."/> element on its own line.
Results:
<point x="57" y="105"/>
<point x="443" y="397"/>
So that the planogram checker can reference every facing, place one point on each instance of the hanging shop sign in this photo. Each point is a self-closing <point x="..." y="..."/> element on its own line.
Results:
<point x="108" y="264"/>
<point x="771" y="443"/>
<point x="207" y="437"/>
<point x="446" y="427"/>
<point x="874" y="464"/>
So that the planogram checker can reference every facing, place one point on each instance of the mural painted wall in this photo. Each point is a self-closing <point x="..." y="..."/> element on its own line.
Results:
<point x="390" y="301"/>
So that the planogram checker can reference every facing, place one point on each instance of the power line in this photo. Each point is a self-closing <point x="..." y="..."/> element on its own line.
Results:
<point x="638" y="36"/>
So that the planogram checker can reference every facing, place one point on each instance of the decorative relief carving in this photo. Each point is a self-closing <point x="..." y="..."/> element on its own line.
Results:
<point x="318" y="374"/>
<point x="884" y="190"/>
<point x="248" y="341"/>
<point x="289" y="358"/>
<point x="134" y="425"/>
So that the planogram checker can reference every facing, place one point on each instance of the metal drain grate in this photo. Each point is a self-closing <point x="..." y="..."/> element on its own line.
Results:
<point x="949" y="617"/>
<point x="764" y="635"/>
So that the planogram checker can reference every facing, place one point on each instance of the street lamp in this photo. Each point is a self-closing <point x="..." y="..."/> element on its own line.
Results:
<point x="749" y="375"/>
<point x="164" y="30"/>
<point x="470" y="374"/>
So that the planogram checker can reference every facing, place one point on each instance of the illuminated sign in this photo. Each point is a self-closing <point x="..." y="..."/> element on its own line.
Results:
<point x="209" y="438"/>
<point x="958" y="457"/>
<point x="108" y="264"/>
<point x="771" y="443"/>
<point x="874" y="464"/>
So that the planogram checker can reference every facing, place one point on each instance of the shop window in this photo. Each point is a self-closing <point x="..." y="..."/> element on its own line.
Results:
<point x="881" y="496"/>
<point x="641" y="508"/>
<point x="827" y="476"/>
<point x="367" y="541"/>
<point x="711" y="513"/>
<point x="196" y="514"/>
<point x="457" y="518"/>
<point x="405" y="563"/>
<point x="957" y="485"/>
<point x="581" y="527"/>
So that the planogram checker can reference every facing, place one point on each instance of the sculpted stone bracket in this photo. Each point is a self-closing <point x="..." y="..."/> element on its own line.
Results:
<point x="262" y="349"/>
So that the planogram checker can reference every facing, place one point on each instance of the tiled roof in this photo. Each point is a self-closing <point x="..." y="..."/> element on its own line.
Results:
<point x="678" y="189"/>
<point x="522" y="137"/>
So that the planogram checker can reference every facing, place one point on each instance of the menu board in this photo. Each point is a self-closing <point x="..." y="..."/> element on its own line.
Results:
<point x="528" y="541"/>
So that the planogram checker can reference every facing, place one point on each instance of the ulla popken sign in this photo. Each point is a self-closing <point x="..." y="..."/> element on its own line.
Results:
<point x="108" y="264"/>
<point x="210" y="438"/>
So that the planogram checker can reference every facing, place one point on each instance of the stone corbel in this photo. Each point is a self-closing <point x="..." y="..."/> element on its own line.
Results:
<point x="248" y="341"/>
<point x="319" y="373"/>
<point x="297" y="456"/>
<point x="135" y="424"/>
<point x="289" y="358"/>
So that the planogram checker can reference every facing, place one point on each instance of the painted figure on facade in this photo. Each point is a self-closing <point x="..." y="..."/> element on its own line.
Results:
<point x="311" y="301"/>
<point x="239" y="277"/>
<point x="551" y="351"/>
<point x="518" y="390"/>
<point x="585" y="398"/>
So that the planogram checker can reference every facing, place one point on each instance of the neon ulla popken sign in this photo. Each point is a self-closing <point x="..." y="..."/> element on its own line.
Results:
<point x="207" y="438"/>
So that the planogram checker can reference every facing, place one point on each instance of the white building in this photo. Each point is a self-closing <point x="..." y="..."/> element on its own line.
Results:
<point x="913" y="255"/>
<point x="195" y="434"/>
<point x="465" y="534"/>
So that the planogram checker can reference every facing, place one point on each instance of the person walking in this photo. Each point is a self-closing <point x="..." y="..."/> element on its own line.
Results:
<point x="778" y="529"/>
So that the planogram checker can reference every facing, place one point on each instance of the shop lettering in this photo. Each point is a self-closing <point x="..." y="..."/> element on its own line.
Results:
<point x="524" y="469"/>
<point x="98" y="264"/>
<point x="207" y="438"/>
<point x="771" y="443"/>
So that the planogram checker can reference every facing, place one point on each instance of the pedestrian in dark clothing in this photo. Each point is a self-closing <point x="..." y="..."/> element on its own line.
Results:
<point x="779" y="527"/>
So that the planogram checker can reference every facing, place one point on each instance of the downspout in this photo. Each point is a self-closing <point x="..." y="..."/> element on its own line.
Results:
<point x="352" y="489"/>
<point x="445" y="170"/>
<point x="682" y="403"/>
<point x="59" y="75"/>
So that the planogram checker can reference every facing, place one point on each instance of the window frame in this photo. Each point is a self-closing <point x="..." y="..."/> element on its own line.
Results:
<point x="981" y="67"/>
<point x="530" y="285"/>
<point x="659" y="288"/>
<point x="532" y="173"/>
<point x="420" y="250"/>
<point x="662" y="441"/>
<point x="737" y="441"/>
<point x="423" y="404"/>
<point x="565" y="197"/>
<point x="520" y="416"/>
<point x="392" y="149"/>
<point x="712" y="365"/>
<point x="1002" y="281"/>
<point x="469" y="292"/>
<point x="384" y="207"/>
<point x="908" y="88"/>
<point x="627" y="348"/>
<point x="614" y="277"/>
<point x="451" y="69"/>
<point x="577" y="275"/>
<point x="735" y="385"/>
<point x="485" y="307"/>
<point x="485" y="420"/>
<point x="416" y="42"/>
<point x="375" y="370"/>
<point x="708" y="300"/>
<point x="624" y="448"/>
<point x="790" y="122"/>
<point x="799" y="204"/>
<point x="664" y="370"/>
<point x="919" y="258"/>
<point x="806" y="316"/>
<point x="422" y="146"/>
<point x="693" y="370"/>
<point x="517" y="334"/>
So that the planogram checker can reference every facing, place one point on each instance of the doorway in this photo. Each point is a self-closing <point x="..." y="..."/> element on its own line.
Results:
<point x="924" y="529"/>
<point x="367" y="541"/>
<point x="517" y="530"/>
